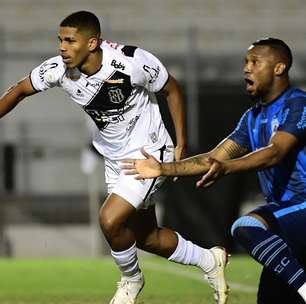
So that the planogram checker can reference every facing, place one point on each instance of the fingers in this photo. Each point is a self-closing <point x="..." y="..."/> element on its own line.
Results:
<point x="127" y="164"/>
<point x="130" y="172"/>
<point x="202" y="184"/>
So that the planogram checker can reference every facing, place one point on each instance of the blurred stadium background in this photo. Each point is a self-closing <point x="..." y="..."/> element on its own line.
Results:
<point x="51" y="184"/>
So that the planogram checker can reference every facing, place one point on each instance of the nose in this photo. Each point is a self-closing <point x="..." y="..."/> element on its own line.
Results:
<point x="62" y="47"/>
<point x="246" y="68"/>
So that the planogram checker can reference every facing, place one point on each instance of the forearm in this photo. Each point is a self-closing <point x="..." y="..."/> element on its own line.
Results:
<point x="14" y="95"/>
<point x="9" y="101"/>
<point x="260" y="159"/>
<point x="190" y="166"/>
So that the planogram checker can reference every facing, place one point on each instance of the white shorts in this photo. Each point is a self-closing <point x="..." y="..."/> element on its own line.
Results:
<point x="138" y="193"/>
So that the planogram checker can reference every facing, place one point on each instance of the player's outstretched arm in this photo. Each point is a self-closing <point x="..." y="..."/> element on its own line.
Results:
<point x="151" y="168"/>
<point x="195" y="165"/>
<point x="15" y="94"/>
<point x="281" y="143"/>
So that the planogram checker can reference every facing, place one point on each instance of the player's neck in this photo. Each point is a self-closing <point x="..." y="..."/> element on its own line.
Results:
<point x="93" y="63"/>
<point x="274" y="94"/>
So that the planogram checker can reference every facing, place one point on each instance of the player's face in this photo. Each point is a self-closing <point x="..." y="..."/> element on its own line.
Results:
<point x="73" y="46"/>
<point x="259" y="71"/>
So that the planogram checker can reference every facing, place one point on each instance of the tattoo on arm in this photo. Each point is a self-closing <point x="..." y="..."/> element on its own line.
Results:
<point x="232" y="149"/>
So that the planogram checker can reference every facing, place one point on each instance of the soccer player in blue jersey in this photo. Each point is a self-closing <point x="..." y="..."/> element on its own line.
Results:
<point x="269" y="138"/>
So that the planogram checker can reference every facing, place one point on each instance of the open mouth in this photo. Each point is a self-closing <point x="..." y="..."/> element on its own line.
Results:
<point x="249" y="83"/>
<point x="66" y="59"/>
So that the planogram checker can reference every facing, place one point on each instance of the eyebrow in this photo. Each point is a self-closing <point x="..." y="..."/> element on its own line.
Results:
<point x="66" y="38"/>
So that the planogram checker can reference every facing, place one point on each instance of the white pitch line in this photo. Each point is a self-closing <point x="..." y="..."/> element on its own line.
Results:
<point x="196" y="277"/>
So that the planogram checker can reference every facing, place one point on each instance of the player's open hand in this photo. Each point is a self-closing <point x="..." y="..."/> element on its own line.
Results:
<point x="142" y="168"/>
<point x="216" y="171"/>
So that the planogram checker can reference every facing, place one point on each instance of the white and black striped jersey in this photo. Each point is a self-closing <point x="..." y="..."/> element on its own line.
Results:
<point x="119" y="97"/>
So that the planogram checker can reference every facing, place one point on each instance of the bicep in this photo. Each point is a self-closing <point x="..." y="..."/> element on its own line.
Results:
<point x="170" y="85"/>
<point x="283" y="143"/>
<point x="228" y="149"/>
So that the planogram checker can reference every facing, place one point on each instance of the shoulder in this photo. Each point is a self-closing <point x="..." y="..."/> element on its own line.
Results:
<point x="48" y="73"/>
<point x="52" y="66"/>
<point x="296" y="95"/>
<point x="295" y="103"/>
<point x="119" y="49"/>
<point x="129" y="52"/>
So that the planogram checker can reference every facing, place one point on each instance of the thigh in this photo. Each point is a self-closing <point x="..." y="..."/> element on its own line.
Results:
<point x="288" y="221"/>
<point x="137" y="192"/>
<point x="273" y="290"/>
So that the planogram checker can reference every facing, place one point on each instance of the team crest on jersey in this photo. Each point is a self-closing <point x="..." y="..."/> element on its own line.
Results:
<point x="274" y="124"/>
<point x="115" y="95"/>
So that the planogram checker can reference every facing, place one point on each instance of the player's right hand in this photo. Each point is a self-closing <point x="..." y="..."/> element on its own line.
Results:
<point x="142" y="168"/>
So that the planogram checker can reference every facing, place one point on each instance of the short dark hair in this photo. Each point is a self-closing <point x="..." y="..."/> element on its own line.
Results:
<point x="278" y="45"/>
<point x="83" y="20"/>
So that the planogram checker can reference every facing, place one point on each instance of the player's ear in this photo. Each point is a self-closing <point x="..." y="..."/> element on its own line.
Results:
<point x="280" y="68"/>
<point x="93" y="43"/>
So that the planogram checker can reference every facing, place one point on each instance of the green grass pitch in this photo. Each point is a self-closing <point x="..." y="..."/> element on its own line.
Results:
<point x="93" y="281"/>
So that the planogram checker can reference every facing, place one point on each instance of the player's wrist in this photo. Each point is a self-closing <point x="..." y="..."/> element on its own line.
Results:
<point x="165" y="169"/>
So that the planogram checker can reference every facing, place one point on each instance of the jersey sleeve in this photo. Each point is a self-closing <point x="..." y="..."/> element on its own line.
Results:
<point x="241" y="135"/>
<point x="293" y="118"/>
<point x="150" y="72"/>
<point x="48" y="74"/>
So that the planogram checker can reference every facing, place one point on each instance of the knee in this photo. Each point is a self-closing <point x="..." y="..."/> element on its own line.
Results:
<point x="108" y="223"/>
<point x="239" y="226"/>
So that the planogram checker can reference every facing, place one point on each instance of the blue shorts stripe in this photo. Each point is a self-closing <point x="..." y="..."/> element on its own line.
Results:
<point x="289" y="210"/>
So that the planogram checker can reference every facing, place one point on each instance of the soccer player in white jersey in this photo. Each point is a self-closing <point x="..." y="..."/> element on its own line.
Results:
<point x="115" y="85"/>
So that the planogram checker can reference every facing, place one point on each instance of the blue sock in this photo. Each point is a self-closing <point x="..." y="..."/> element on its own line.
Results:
<point x="269" y="250"/>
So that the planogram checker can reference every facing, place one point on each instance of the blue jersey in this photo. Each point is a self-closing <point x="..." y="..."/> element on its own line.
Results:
<point x="287" y="180"/>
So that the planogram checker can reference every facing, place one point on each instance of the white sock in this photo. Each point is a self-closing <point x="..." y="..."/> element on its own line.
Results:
<point x="127" y="261"/>
<point x="302" y="291"/>
<point x="188" y="253"/>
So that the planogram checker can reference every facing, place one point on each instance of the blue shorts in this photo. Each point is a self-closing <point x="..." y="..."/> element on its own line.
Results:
<point x="288" y="220"/>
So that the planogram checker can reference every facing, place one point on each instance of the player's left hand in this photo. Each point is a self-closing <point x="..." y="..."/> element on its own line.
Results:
<point x="216" y="171"/>
<point x="142" y="168"/>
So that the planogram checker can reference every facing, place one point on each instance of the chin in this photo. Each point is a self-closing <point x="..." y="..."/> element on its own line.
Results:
<point x="253" y="95"/>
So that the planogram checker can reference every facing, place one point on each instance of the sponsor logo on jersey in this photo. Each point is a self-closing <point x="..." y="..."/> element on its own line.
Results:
<point x="45" y="68"/>
<point x="302" y="123"/>
<point x="114" y="81"/>
<point x="79" y="93"/>
<point x="132" y="123"/>
<point x="153" y="137"/>
<point x="114" y="45"/>
<point x="153" y="72"/>
<point x="93" y="84"/>
<point x="103" y="118"/>
<point x="117" y="65"/>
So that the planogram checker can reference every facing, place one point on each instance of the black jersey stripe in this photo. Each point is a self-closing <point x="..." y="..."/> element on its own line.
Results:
<point x="129" y="50"/>
<point x="165" y="83"/>
<point x="162" y="150"/>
